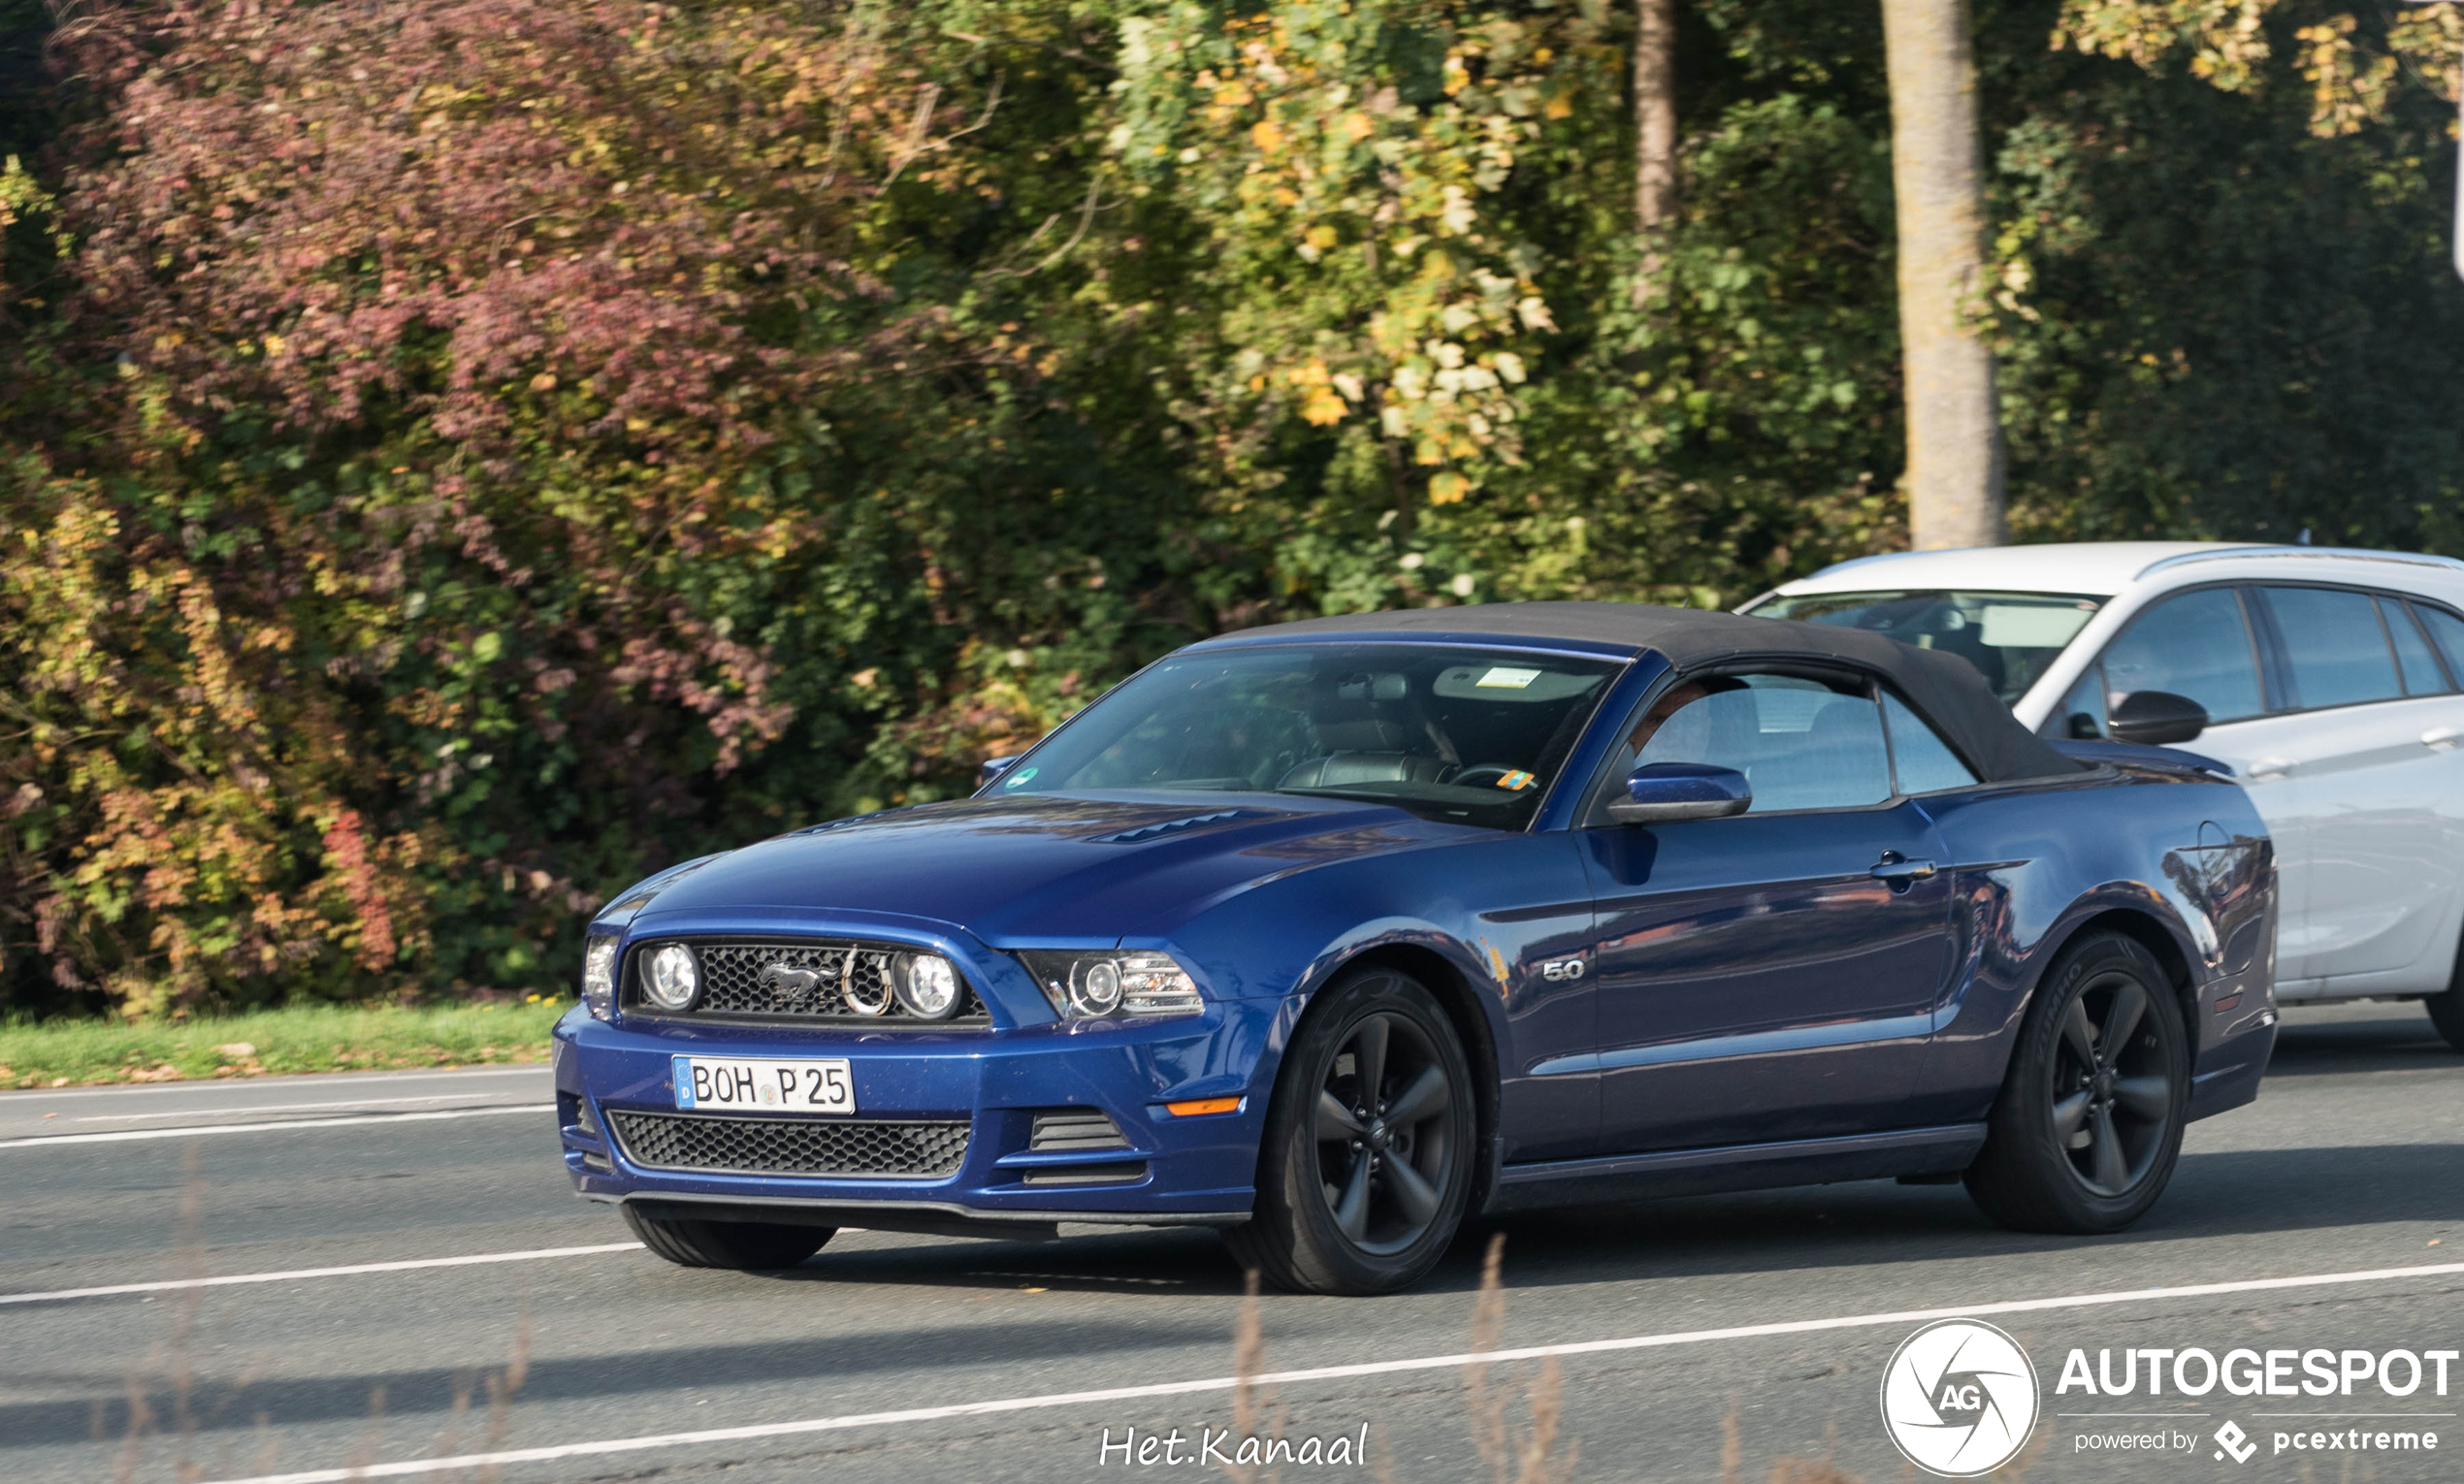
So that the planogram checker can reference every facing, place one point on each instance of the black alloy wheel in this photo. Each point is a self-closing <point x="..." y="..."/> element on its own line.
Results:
<point x="1366" y="1164"/>
<point x="2087" y="1127"/>
<point x="1383" y="1146"/>
<point x="2112" y="1101"/>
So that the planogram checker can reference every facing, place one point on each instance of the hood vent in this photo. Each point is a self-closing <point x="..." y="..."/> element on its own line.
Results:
<point x="1146" y="832"/>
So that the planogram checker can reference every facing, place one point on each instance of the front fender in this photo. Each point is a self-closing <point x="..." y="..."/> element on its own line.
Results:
<point x="1489" y="911"/>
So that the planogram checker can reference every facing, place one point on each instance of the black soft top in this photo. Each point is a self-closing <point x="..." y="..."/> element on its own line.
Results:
<point x="1944" y="688"/>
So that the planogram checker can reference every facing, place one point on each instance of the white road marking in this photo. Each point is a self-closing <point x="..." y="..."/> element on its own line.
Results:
<point x="406" y="1265"/>
<point x="118" y="1136"/>
<point x="129" y="1091"/>
<point x="411" y="1466"/>
<point x="224" y="1113"/>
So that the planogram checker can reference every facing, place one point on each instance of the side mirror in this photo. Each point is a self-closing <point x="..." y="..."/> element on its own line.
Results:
<point x="2156" y="718"/>
<point x="992" y="768"/>
<point x="1660" y="791"/>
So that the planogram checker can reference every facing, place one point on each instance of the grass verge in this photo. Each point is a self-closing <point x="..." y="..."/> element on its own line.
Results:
<point x="303" y="1038"/>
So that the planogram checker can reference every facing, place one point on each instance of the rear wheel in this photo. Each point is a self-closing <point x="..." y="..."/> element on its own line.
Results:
<point x="745" y="1245"/>
<point x="2086" y="1132"/>
<point x="1367" y="1163"/>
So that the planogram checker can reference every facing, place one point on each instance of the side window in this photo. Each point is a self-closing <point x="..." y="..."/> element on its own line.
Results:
<point x="2447" y="632"/>
<point x="2081" y="717"/>
<point x="2422" y="673"/>
<point x="1800" y="743"/>
<point x="2338" y="652"/>
<point x="1922" y="759"/>
<point x="2196" y="645"/>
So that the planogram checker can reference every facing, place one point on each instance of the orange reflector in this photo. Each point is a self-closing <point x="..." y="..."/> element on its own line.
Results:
<point x="1193" y="1109"/>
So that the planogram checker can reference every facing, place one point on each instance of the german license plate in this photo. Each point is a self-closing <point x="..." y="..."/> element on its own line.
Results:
<point x="772" y="1084"/>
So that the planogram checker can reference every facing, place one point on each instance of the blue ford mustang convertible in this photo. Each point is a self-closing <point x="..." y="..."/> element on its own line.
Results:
<point x="1331" y="933"/>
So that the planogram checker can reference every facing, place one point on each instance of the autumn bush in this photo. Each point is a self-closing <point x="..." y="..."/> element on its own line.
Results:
<point x="455" y="457"/>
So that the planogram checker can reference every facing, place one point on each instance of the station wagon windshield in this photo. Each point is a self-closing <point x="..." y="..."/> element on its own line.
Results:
<point x="2009" y="637"/>
<point x="1468" y="735"/>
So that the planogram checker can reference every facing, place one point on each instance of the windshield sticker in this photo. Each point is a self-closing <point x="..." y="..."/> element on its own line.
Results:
<point x="2032" y="625"/>
<point x="1516" y="780"/>
<point x="1503" y="678"/>
<point x="1018" y="778"/>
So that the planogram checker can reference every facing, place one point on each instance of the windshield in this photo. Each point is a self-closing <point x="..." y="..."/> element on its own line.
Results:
<point x="2010" y="637"/>
<point x="1469" y="736"/>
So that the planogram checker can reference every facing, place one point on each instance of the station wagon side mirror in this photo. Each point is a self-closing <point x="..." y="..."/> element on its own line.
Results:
<point x="991" y="768"/>
<point x="2156" y="718"/>
<point x="1657" y="793"/>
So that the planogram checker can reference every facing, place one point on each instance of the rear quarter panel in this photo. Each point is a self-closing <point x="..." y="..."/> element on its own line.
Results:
<point x="2182" y="856"/>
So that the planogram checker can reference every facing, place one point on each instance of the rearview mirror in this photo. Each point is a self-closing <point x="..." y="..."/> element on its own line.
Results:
<point x="992" y="768"/>
<point x="1660" y="791"/>
<point x="2156" y="718"/>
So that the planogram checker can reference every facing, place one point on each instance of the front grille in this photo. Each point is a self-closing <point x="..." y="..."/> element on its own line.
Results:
<point x="789" y="1145"/>
<point x="808" y="981"/>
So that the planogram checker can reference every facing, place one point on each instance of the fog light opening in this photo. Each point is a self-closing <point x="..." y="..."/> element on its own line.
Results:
<point x="673" y="979"/>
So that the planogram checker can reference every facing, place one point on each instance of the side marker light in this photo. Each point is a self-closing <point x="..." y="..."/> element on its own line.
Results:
<point x="1200" y="1107"/>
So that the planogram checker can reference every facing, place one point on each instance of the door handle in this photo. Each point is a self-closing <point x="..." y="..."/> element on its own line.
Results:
<point x="2271" y="767"/>
<point x="2441" y="737"/>
<point x="1900" y="873"/>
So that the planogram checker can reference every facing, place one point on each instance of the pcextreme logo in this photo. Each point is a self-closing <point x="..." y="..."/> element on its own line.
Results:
<point x="1958" y="1397"/>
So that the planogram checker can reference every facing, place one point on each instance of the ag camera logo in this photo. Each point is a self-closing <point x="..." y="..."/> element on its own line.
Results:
<point x="1959" y="1398"/>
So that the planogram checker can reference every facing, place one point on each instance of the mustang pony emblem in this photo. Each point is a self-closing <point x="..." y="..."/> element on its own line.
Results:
<point x="785" y="982"/>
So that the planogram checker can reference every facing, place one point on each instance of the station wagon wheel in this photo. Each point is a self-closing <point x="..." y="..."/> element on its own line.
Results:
<point x="2089" y="1124"/>
<point x="1365" y="1169"/>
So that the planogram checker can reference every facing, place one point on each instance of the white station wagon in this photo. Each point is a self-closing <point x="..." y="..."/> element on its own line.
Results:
<point x="2330" y="681"/>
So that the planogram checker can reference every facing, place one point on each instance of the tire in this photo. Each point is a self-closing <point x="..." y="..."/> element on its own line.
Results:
<point x="1355" y="1195"/>
<point x="743" y="1245"/>
<point x="2447" y="1010"/>
<point x="2083" y="1136"/>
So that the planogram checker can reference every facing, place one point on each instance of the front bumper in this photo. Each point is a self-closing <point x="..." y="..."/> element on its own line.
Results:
<point x="1174" y="1171"/>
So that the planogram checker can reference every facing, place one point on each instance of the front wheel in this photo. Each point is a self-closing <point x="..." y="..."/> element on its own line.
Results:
<point x="2447" y="1010"/>
<point x="744" y="1245"/>
<point x="1367" y="1164"/>
<point x="2085" y="1134"/>
<point x="2447" y="1013"/>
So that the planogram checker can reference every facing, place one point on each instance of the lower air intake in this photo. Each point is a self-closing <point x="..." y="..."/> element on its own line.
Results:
<point x="791" y="1145"/>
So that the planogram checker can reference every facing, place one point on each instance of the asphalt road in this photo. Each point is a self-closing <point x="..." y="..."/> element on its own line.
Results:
<point x="2352" y="1161"/>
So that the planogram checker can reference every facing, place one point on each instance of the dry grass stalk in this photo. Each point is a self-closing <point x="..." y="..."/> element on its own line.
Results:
<point x="1250" y="1404"/>
<point x="502" y="1387"/>
<point x="1529" y="1458"/>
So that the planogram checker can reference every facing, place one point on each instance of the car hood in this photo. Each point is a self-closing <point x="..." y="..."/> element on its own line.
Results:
<point x="1055" y="869"/>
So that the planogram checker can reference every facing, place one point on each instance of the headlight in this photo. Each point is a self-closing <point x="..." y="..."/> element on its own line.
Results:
<point x="1091" y="987"/>
<point x="598" y="976"/>
<point x="926" y="985"/>
<point x="673" y="977"/>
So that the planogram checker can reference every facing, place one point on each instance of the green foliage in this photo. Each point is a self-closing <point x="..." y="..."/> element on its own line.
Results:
<point x="460" y="456"/>
<point x="294" y="1038"/>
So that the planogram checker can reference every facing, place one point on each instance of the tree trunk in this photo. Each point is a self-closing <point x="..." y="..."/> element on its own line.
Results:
<point x="1955" y="442"/>
<point x="1655" y="131"/>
